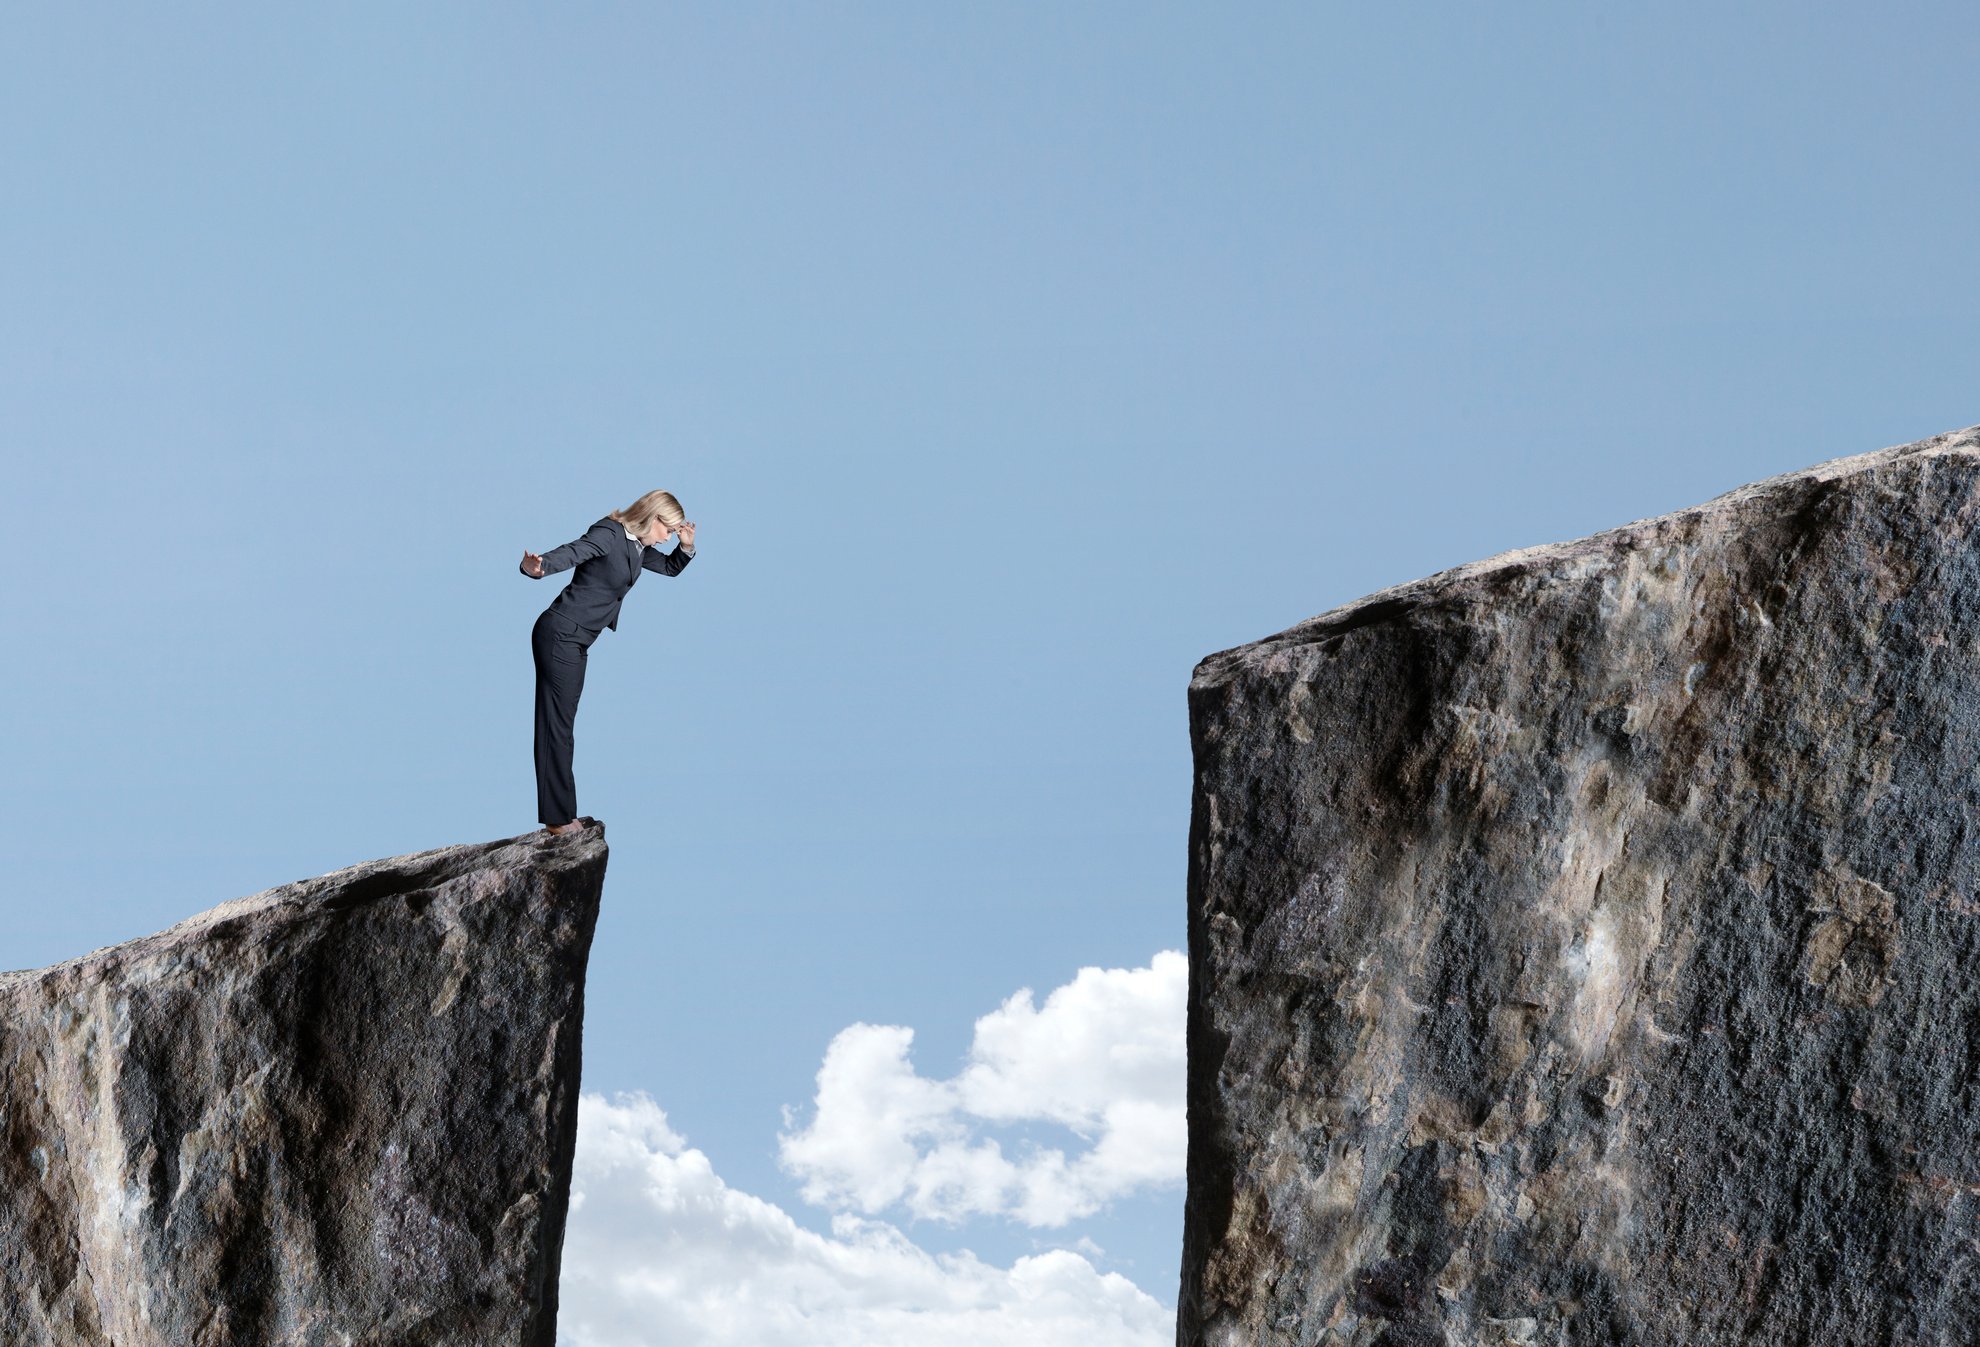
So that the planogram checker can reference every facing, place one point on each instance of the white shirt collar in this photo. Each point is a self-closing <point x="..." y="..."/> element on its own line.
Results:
<point x="631" y="537"/>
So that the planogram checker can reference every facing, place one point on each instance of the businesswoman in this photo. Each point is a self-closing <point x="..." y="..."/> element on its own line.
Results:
<point x="609" y="558"/>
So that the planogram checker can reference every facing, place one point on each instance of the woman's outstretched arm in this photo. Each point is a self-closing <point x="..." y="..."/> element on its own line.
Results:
<point x="592" y="544"/>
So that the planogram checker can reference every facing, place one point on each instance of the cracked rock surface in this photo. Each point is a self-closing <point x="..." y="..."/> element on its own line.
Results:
<point x="339" y="1113"/>
<point x="1585" y="942"/>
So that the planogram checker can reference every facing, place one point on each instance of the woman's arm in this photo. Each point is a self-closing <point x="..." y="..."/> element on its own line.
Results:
<point x="592" y="544"/>
<point x="671" y="563"/>
<point x="667" y="563"/>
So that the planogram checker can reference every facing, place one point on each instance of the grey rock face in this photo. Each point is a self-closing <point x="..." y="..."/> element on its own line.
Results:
<point x="1585" y="943"/>
<point x="339" y="1113"/>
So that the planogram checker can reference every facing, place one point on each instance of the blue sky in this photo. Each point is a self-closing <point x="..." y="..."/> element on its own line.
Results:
<point x="1010" y="359"/>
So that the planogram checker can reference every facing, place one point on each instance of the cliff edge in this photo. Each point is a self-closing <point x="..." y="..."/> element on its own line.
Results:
<point x="1583" y="940"/>
<point x="338" y="1112"/>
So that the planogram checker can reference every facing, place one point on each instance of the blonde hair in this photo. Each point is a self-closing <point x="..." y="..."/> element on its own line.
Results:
<point x="640" y="514"/>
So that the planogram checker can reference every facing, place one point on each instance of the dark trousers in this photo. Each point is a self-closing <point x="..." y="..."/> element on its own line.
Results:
<point x="560" y="648"/>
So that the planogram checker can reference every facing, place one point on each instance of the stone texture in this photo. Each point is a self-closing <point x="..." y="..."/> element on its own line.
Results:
<point x="339" y="1113"/>
<point x="1584" y="941"/>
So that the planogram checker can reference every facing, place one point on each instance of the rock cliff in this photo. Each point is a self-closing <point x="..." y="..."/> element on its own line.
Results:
<point x="340" y="1112"/>
<point x="1584" y="941"/>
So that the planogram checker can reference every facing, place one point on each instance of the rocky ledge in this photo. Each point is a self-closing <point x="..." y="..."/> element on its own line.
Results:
<point x="1584" y="941"/>
<point x="340" y="1112"/>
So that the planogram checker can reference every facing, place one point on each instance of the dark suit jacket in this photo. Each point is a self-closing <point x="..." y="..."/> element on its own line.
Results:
<point x="608" y="564"/>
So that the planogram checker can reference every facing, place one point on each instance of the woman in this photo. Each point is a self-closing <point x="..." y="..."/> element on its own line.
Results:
<point x="608" y="558"/>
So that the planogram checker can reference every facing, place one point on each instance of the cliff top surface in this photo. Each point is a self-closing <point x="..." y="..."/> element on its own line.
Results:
<point x="1564" y="559"/>
<point x="354" y="885"/>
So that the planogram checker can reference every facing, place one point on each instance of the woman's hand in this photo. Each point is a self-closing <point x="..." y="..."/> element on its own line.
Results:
<point x="687" y="532"/>
<point x="532" y="564"/>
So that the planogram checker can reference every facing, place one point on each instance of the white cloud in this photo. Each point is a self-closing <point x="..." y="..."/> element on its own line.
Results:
<point x="658" y="1250"/>
<point x="1102" y="1057"/>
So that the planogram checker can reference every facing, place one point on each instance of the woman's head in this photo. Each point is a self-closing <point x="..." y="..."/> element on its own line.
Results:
<point x="654" y="505"/>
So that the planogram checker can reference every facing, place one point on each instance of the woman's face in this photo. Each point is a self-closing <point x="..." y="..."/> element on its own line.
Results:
<point x="656" y="533"/>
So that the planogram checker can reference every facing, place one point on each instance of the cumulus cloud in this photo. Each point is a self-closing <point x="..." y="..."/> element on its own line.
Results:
<point x="1102" y="1058"/>
<point x="659" y="1250"/>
